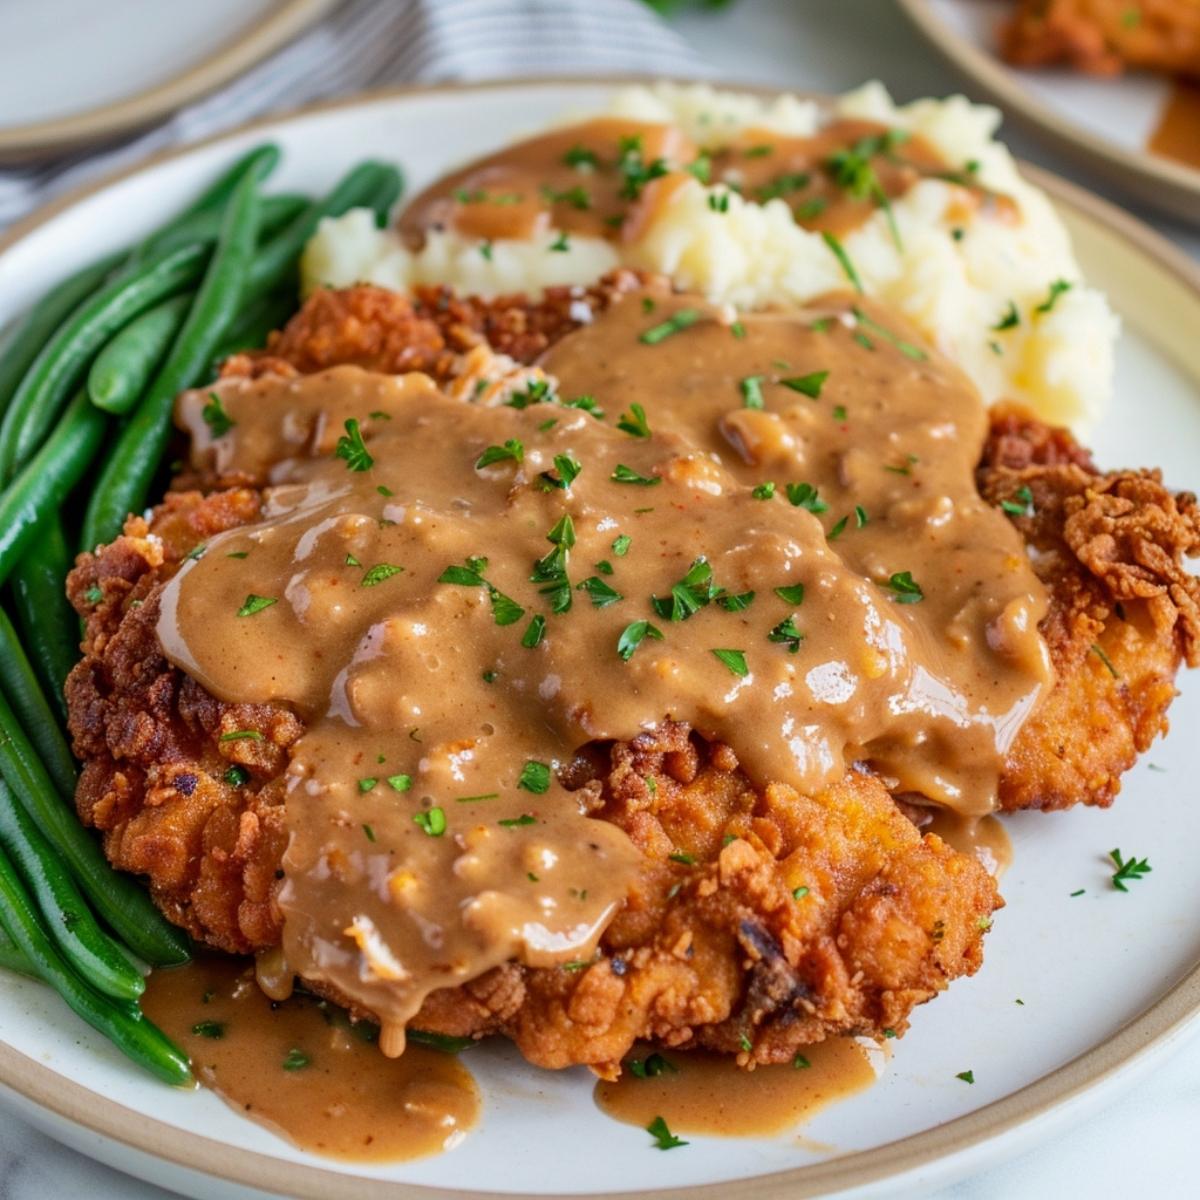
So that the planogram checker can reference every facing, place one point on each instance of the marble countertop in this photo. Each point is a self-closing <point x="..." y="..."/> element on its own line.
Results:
<point x="1144" y="1139"/>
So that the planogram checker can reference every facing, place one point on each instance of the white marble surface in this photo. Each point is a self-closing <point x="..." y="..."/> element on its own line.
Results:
<point x="1143" y="1142"/>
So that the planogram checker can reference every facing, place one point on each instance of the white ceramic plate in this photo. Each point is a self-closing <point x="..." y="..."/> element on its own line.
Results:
<point x="1105" y="123"/>
<point x="1108" y="980"/>
<point x="72" y="71"/>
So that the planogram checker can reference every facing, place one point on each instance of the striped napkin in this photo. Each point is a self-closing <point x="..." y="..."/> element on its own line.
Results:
<point x="373" y="43"/>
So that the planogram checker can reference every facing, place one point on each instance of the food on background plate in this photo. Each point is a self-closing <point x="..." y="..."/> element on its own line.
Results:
<point x="597" y="616"/>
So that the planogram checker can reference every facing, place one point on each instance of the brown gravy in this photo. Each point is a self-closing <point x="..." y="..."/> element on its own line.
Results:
<point x="983" y="837"/>
<point x="450" y="638"/>
<point x="301" y="1069"/>
<point x="1177" y="134"/>
<point x="608" y="177"/>
<point x="708" y="1094"/>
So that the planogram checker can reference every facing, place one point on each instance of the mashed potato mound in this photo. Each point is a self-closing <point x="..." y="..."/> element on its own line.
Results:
<point x="956" y="274"/>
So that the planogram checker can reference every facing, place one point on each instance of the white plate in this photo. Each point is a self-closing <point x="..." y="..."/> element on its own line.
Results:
<point x="1105" y="123"/>
<point x="1107" y="979"/>
<point x="72" y="71"/>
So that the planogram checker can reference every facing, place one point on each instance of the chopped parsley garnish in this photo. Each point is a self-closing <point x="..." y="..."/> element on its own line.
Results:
<point x="793" y="594"/>
<point x="241" y="735"/>
<point x="353" y="449"/>
<point x="839" y="252"/>
<point x="209" y="1029"/>
<point x="675" y="323"/>
<point x="505" y="610"/>
<point x="651" y="1066"/>
<point x="512" y="448"/>
<point x="1010" y="320"/>
<point x="560" y="245"/>
<point x="889" y="1033"/>
<point x="604" y="567"/>
<point x="735" y="602"/>
<point x="535" y="777"/>
<point x="745" y="1043"/>
<point x="255" y="604"/>
<point x="633" y="635"/>
<point x="581" y="158"/>
<point x="799" y="893"/>
<point x="837" y="530"/>
<point x="804" y="495"/>
<point x="807" y="210"/>
<point x="1057" y="288"/>
<point x="966" y="1076"/>
<point x="634" y="422"/>
<point x="369" y="833"/>
<point x="432" y="822"/>
<point x="800" y="1063"/>
<point x="807" y="385"/>
<point x="551" y="570"/>
<point x="839" y="412"/>
<point x="238" y="554"/>
<point x="477" y="799"/>
<point x="235" y="776"/>
<point x="759" y="151"/>
<point x="567" y="469"/>
<point x="1022" y="506"/>
<point x="485" y="248"/>
<point x="664" y="1139"/>
<point x="600" y="593"/>
<point x="399" y="783"/>
<point x="689" y="595"/>
<point x="735" y="660"/>
<point x="462" y="576"/>
<point x="536" y="391"/>
<point x="737" y="329"/>
<point x="786" y="634"/>
<point x="1098" y="651"/>
<point x="752" y="393"/>
<point x="904" y="588"/>
<point x="624" y="474"/>
<point x="782" y="184"/>
<point x="1128" y="869"/>
<point x="764" y="491"/>
<point x="93" y="595"/>
<point x="513" y="822"/>
<point x="621" y="544"/>
<point x="719" y="202"/>
<point x="905" y="348"/>
<point x="701" y="169"/>
<point x="588" y="404"/>
<point x="378" y="573"/>
<point x="534" y="632"/>
<point x="860" y="516"/>
<point x="634" y="169"/>
<point x="365" y="785"/>
<point x="1078" y="892"/>
<point x="297" y="1060"/>
<point x="219" y="422"/>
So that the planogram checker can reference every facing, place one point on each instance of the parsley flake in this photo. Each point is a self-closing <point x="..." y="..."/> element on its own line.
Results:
<point x="352" y="448"/>
<point x="735" y="660"/>
<point x="432" y="822"/>
<point x="219" y="422"/>
<point x="633" y="635"/>
<point x="512" y="448"/>
<point x="807" y="385"/>
<point x="255" y="604"/>
<point x="664" y="1139"/>
<point x="1128" y="869"/>
<point x="904" y="588"/>
<point x="535" y="777"/>
<point x="675" y="323"/>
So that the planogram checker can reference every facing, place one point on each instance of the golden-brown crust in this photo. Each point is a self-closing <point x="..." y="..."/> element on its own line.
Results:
<point x="1103" y="37"/>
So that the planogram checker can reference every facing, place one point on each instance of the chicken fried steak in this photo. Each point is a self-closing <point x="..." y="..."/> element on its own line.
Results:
<point x="722" y="906"/>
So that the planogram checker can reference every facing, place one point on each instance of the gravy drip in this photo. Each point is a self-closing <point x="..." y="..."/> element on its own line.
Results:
<point x="609" y="178"/>
<point x="305" y="1072"/>
<point x="1177" y="134"/>
<point x="707" y="1093"/>
<point x="424" y="848"/>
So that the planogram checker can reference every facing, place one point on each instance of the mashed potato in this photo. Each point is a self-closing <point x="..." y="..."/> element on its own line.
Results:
<point x="955" y="274"/>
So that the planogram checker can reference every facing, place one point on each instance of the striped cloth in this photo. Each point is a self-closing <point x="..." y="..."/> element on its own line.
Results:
<point x="372" y="43"/>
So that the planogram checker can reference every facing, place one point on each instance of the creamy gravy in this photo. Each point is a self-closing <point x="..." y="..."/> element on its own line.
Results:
<point x="429" y="837"/>
<point x="1177" y="134"/>
<point x="301" y="1069"/>
<point x="608" y="177"/>
<point x="701" y="1093"/>
<point x="984" y="838"/>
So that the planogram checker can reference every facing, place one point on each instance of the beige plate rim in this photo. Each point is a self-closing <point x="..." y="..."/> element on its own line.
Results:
<point x="1145" y="1034"/>
<point x="1005" y="87"/>
<point x="285" y="20"/>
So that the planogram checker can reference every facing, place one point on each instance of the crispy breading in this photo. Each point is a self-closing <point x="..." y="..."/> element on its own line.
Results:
<point x="1103" y="37"/>
<point x="1124" y="612"/>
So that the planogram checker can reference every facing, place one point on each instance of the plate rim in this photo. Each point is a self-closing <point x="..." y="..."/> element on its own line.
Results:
<point x="1135" y="1043"/>
<point x="285" y="20"/>
<point x="1003" y="85"/>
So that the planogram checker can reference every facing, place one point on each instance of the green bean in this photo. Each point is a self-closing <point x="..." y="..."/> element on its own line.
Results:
<point x="11" y="958"/>
<point x="141" y="1040"/>
<point x="65" y="357"/>
<point x="116" y="897"/>
<point x="39" y="490"/>
<point x="258" y="162"/>
<point x="279" y="255"/>
<point x="48" y="624"/>
<point x="125" y="479"/>
<point x="35" y="328"/>
<point x="20" y="685"/>
<point x="251" y="326"/>
<point x="64" y="911"/>
<point x="385" y="195"/>
<point x="121" y="369"/>
<point x="277" y="212"/>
